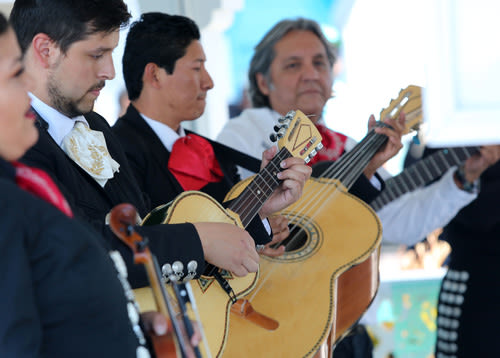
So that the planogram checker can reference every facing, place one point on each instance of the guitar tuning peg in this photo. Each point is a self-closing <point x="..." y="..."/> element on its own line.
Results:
<point x="313" y="153"/>
<point x="319" y="146"/>
<point x="307" y="159"/>
<point x="273" y="137"/>
<point x="277" y="128"/>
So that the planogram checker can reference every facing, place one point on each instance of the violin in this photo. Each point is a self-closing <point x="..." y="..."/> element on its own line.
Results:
<point x="176" y="342"/>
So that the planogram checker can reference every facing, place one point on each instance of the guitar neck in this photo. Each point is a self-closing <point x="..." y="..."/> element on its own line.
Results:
<point x="422" y="173"/>
<point x="250" y="201"/>
<point x="350" y="166"/>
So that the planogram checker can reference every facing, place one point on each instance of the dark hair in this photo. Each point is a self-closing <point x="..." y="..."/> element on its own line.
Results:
<point x="155" y="38"/>
<point x="264" y="54"/>
<point x="66" y="21"/>
<point x="4" y="25"/>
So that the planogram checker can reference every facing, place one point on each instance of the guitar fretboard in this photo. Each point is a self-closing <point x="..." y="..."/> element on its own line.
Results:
<point x="250" y="201"/>
<point x="421" y="173"/>
<point x="350" y="166"/>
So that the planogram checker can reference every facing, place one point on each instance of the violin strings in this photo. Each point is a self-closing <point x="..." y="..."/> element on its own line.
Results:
<point x="208" y="354"/>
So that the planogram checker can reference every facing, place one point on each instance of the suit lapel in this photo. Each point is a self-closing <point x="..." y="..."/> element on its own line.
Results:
<point x="158" y="151"/>
<point x="46" y="141"/>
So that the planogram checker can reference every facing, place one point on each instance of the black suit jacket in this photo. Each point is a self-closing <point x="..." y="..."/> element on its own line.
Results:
<point x="60" y="292"/>
<point x="148" y="158"/>
<point x="92" y="202"/>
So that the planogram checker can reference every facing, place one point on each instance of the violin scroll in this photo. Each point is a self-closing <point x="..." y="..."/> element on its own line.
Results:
<point x="175" y="344"/>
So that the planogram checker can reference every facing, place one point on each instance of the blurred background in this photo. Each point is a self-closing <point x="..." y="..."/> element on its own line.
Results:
<point x="383" y="47"/>
<point x="378" y="43"/>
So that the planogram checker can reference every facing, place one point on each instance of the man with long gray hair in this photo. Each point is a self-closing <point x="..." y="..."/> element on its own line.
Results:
<point x="292" y="68"/>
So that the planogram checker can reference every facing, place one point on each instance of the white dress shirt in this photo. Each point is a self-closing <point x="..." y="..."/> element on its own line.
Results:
<point x="406" y="220"/>
<point x="59" y="124"/>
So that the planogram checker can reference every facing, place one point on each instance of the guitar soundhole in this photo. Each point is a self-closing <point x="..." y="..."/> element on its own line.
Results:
<point x="304" y="240"/>
<point x="296" y="240"/>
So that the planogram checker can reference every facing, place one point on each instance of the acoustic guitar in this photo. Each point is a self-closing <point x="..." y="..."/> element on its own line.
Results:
<point x="328" y="275"/>
<point x="216" y="292"/>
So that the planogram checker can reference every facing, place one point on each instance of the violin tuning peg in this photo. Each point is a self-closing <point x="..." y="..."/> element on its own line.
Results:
<point x="166" y="270"/>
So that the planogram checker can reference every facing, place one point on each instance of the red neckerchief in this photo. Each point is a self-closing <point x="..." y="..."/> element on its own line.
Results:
<point x="193" y="163"/>
<point x="37" y="182"/>
<point x="333" y="145"/>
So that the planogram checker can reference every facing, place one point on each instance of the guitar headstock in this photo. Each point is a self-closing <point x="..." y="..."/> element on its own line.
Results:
<point x="410" y="102"/>
<point x="298" y="134"/>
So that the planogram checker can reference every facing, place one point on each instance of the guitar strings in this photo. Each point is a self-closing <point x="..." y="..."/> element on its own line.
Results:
<point x="241" y="204"/>
<point x="194" y="308"/>
<point x="347" y="170"/>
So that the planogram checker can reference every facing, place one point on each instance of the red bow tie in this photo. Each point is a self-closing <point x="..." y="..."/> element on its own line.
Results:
<point x="193" y="162"/>
<point x="37" y="182"/>
<point x="333" y="145"/>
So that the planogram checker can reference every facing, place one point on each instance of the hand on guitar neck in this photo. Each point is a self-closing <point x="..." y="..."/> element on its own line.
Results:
<point x="403" y="114"/>
<point x="478" y="163"/>
<point x="393" y="145"/>
<point x="293" y="178"/>
<point x="238" y="254"/>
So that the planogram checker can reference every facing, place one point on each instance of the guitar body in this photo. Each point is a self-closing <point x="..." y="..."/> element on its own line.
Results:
<point x="212" y="301"/>
<point x="319" y="289"/>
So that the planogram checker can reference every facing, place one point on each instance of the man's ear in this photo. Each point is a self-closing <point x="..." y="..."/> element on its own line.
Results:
<point x="262" y="83"/>
<point x="152" y="75"/>
<point x="45" y="50"/>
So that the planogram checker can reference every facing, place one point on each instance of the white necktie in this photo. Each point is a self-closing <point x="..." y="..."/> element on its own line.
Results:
<point x="88" y="149"/>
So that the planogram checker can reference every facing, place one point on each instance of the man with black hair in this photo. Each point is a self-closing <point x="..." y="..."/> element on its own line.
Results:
<point x="167" y="82"/>
<point x="67" y="47"/>
<point x="64" y="295"/>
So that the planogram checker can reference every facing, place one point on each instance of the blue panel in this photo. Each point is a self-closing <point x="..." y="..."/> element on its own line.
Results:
<point x="257" y="17"/>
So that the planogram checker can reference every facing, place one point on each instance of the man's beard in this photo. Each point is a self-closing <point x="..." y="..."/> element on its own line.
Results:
<point x="67" y="106"/>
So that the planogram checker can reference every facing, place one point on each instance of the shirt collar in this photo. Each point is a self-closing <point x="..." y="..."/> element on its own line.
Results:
<point x="166" y="134"/>
<point x="59" y="124"/>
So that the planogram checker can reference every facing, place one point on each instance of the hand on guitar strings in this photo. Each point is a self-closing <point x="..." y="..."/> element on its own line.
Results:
<point x="229" y="247"/>
<point x="393" y="145"/>
<point x="157" y="323"/>
<point x="279" y="227"/>
<point x="294" y="175"/>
